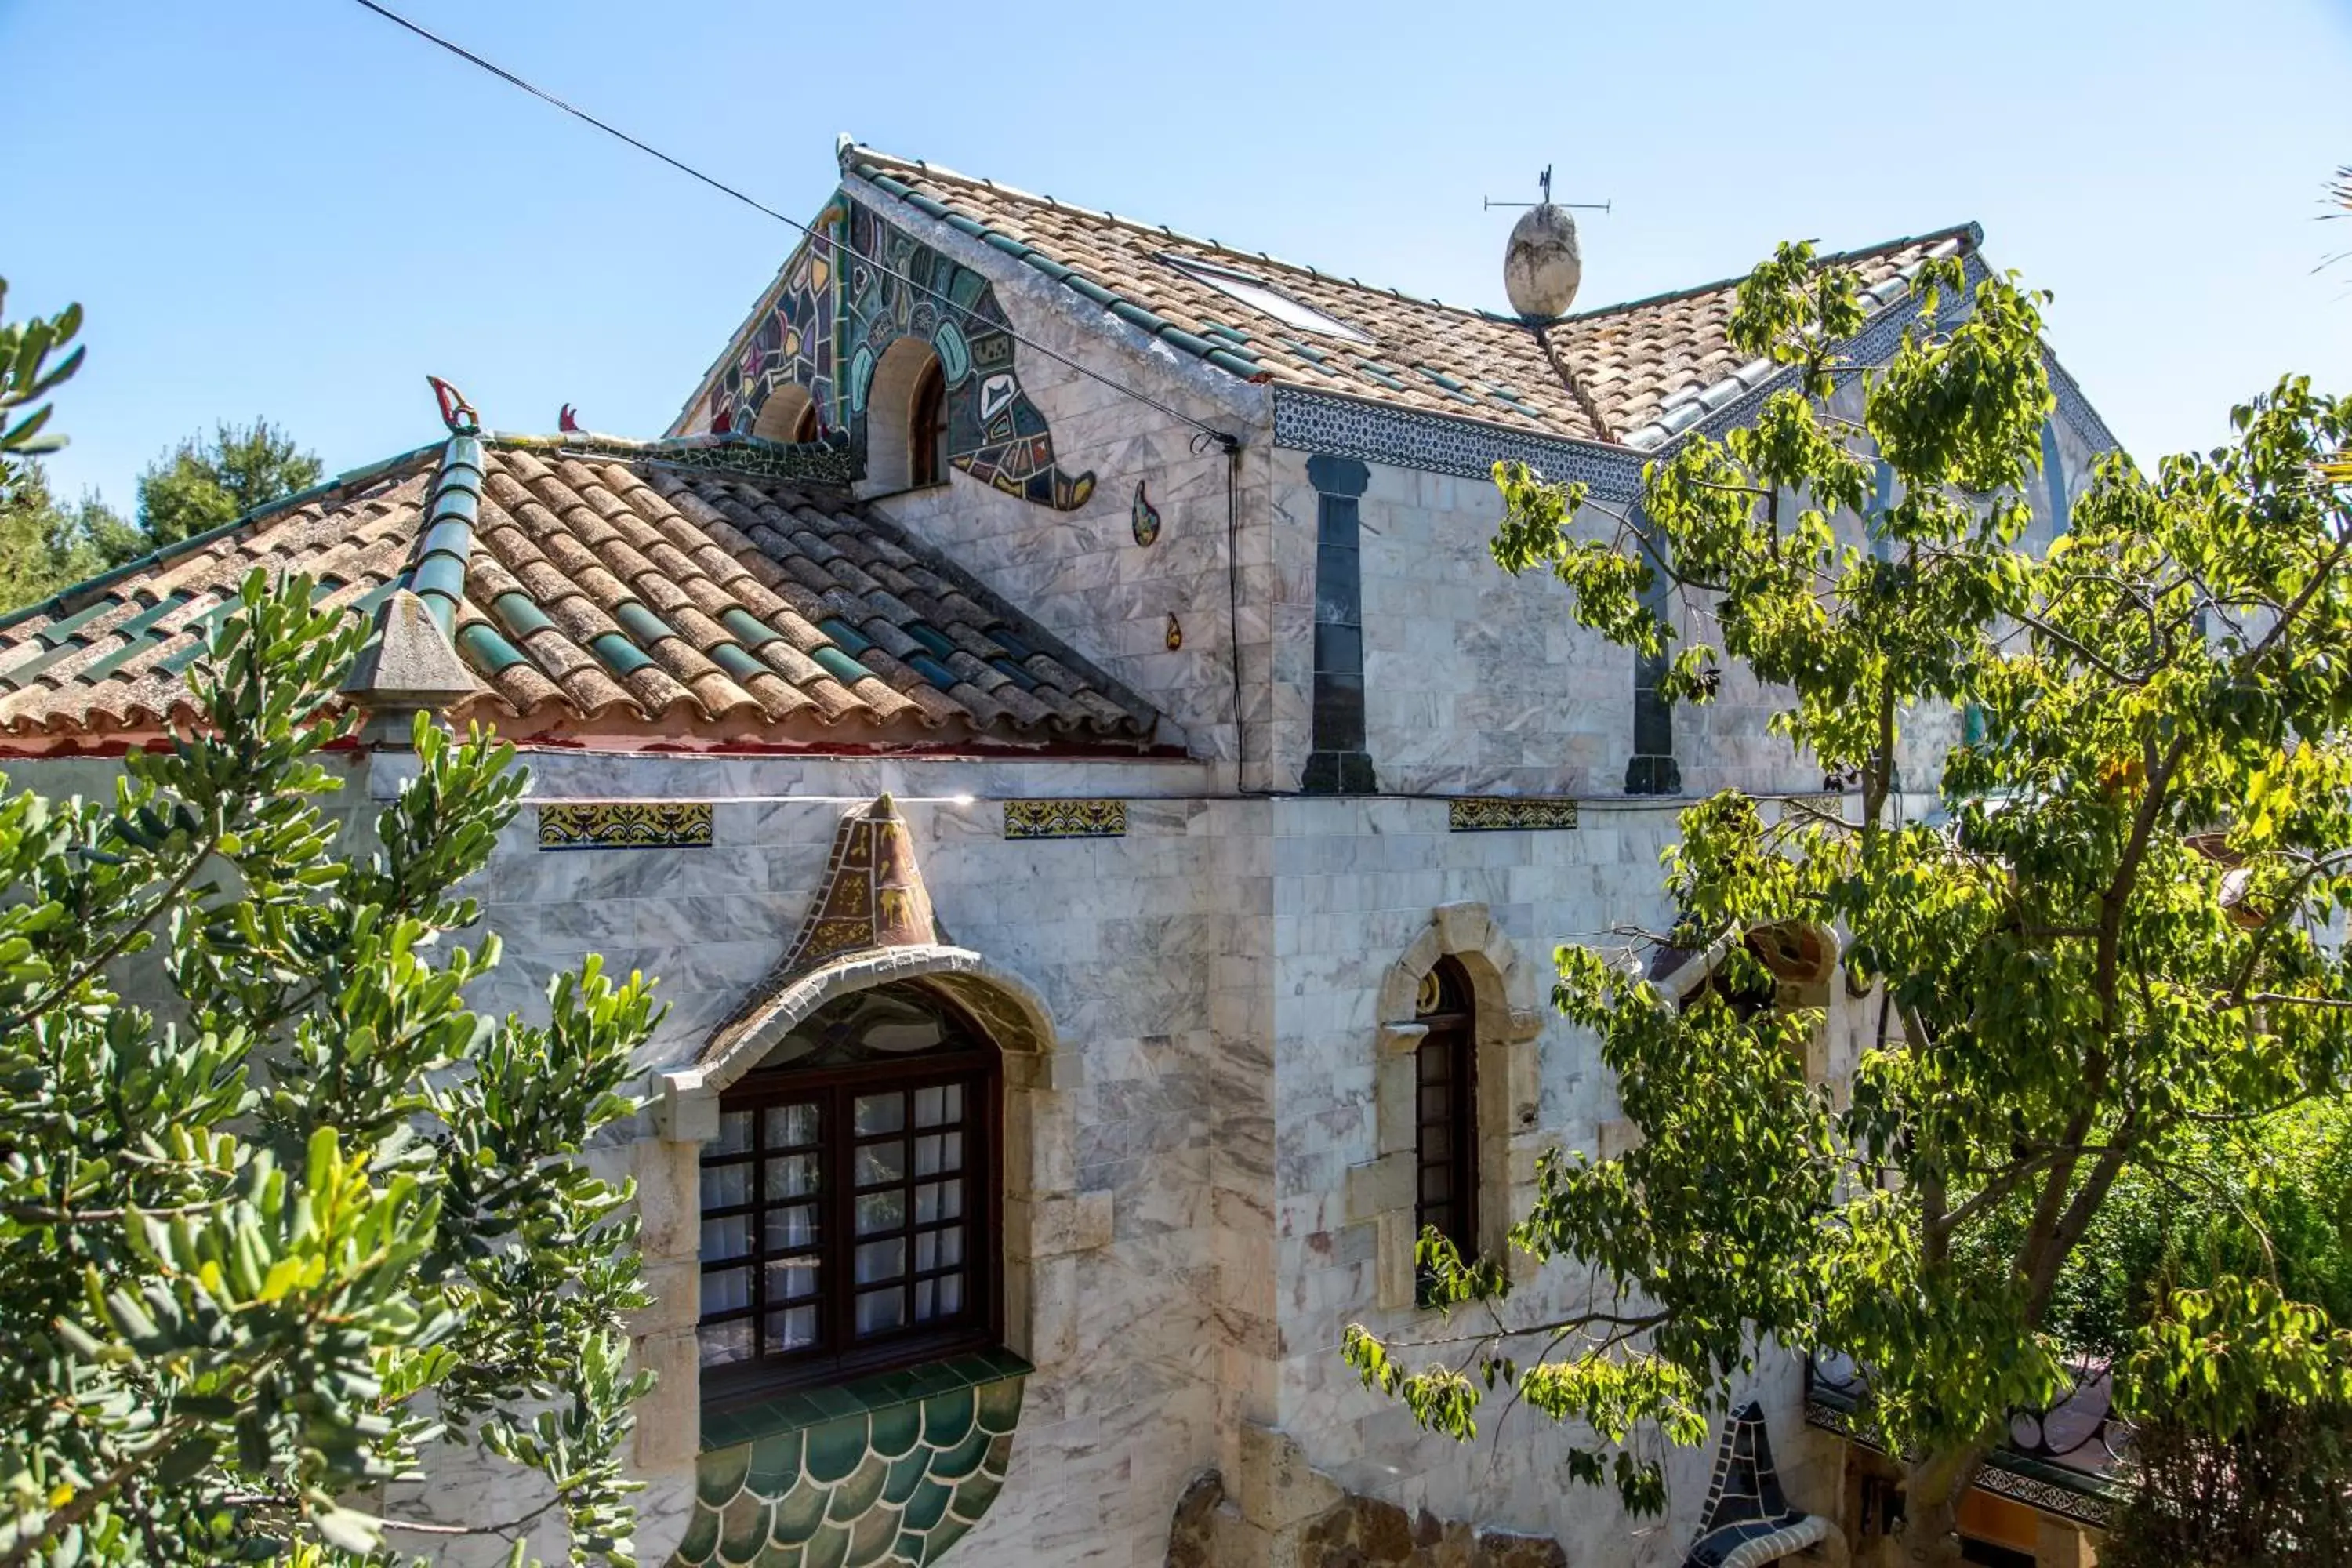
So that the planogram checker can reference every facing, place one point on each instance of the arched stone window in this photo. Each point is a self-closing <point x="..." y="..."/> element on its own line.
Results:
<point x="789" y="414"/>
<point x="1457" y="1096"/>
<point x="906" y="418"/>
<point x="849" y="1203"/>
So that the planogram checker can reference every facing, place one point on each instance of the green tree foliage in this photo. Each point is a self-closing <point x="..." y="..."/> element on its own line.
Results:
<point x="45" y="545"/>
<point x="27" y="376"/>
<point x="206" y="483"/>
<point x="256" y="1260"/>
<point x="2234" y="1471"/>
<point x="2107" y="937"/>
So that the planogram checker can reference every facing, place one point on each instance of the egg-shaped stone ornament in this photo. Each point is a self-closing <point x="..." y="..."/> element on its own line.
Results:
<point x="1543" y="265"/>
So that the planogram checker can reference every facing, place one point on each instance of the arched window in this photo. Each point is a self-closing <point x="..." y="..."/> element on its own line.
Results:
<point x="927" y="428"/>
<point x="849" y="1202"/>
<point x="788" y="414"/>
<point x="1445" y="1110"/>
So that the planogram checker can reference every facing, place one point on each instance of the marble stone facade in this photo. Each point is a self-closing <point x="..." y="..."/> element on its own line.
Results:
<point x="1207" y="1015"/>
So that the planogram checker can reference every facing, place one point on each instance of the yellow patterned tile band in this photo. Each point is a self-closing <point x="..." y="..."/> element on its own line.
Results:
<point x="626" y="824"/>
<point x="1065" y="819"/>
<point x="1503" y="813"/>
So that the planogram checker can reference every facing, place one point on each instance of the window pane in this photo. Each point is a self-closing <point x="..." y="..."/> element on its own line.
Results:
<point x="790" y="1229"/>
<point x="1437" y="1141"/>
<point x="930" y="1107"/>
<point x="1437" y="1103"/>
<point x="882" y="1211"/>
<point x="726" y="1291"/>
<point x="725" y="1343"/>
<point x="880" y="1260"/>
<point x="952" y="1101"/>
<point x="791" y="1126"/>
<point x="878" y="1162"/>
<point x="734" y="1132"/>
<point x="879" y="1112"/>
<point x="792" y="1331"/>
<point x="938" y="1201"/>
<point x="793" y="1176"/>
<point x="725" y="1238"/>
<point x="1436" y="1184"/>
<point x="790" y="1278"/>
<point x="926" y="1301"/>
<point x="950" y="1294"/>
<point x="950" y="1244"/>
<point x="879" y="1310"/>
<point x="726" y="1186"/>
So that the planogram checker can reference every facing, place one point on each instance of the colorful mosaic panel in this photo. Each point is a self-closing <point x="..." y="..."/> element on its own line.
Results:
<point x="848" y="293"/>
<point x="896" y="287"/>
<point x="790" y="341"/>
<point x="873" y="894"/>
<point x="1065" y="819"/>
<point x="888" y="1471"/>
<point x="634" y="825"/>
<point x="1507" y="813"/>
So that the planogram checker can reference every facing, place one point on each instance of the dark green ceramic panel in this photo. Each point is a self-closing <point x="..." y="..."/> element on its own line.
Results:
<point x="887" y="1472"/>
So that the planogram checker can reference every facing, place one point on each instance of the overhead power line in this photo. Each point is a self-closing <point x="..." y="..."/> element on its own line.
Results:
<point x="1222" y="439"/>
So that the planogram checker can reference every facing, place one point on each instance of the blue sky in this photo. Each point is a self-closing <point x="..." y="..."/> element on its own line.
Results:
<point x="290" y="207"/>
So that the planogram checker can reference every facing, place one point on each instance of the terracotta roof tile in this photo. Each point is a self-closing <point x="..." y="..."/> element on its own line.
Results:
<point x="623" y="595"/>
<point x="1629" y="360"/>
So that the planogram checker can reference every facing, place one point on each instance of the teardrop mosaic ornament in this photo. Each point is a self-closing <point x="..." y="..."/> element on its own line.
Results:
<point x="1175" y="634"/>
<point x="1146" y="516"/>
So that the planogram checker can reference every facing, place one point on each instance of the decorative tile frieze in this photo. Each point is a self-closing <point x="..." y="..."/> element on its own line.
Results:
<point x="1801" y="807"/>
<point x="626" y="824"/>
<point x="1065" y="819"/>
<point x="1439" y="444"/>
<point x="1508" y="813"/>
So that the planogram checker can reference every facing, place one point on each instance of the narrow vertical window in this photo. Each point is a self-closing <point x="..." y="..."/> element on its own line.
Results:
<point x="1338" y="763"/>
<point x="1446" y="1125"/>
<point x="927" y="431"/>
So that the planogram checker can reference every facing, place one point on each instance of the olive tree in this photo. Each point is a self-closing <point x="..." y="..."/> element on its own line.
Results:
<point x="2109" y="933"/>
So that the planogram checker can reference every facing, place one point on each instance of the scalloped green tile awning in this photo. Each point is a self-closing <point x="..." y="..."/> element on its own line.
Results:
<point x="887" y="1471"/>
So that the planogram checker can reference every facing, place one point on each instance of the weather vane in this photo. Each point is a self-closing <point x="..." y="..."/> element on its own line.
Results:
<point x="1544" y="179"/>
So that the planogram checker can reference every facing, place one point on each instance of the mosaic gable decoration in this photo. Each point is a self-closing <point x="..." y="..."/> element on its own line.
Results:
<point x="626" y="824"/>
<point x="1065" y="819"/>
<point x="873" y="895"/>
<point x="790" y="339"/>
<point x="852" y="288"/>
<point x="1507" y="813"/>
<point x="889" y="1476"/>
<point x="896" y="287"/>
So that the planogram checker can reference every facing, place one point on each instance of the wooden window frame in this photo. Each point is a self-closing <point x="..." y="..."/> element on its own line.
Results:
<point x="1447" y="1056"/>
<point x="839" y="1354"/>
<point x="926" y="427"/>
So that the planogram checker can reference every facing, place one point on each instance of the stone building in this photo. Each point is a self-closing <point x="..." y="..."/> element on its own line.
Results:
<point x="1047" y="715"/>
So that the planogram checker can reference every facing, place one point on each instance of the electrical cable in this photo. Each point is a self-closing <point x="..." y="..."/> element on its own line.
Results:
<point x="1223" y="438"/>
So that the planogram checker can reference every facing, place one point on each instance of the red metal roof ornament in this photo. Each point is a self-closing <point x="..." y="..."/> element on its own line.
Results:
<point x="456" y="412"/>
<point x="567" y="421"/>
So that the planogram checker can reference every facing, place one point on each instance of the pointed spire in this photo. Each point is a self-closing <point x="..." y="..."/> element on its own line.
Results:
<point x="873" y="895"/>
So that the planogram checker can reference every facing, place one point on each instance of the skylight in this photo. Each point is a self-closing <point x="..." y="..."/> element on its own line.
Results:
<point x="1259" y="296"/>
